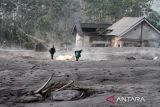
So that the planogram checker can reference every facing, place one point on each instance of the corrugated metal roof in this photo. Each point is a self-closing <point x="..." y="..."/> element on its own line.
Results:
<point x="123" y="25"/>
<point x="94" y="25"/>
<point x="78" y="26"/>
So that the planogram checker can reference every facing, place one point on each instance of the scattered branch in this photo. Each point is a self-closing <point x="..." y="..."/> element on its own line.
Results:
<point x="65" y="86"/>
<point x="41" y="88"/>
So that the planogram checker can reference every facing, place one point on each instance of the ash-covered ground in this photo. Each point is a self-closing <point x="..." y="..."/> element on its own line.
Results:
<point x="125" y="72"/>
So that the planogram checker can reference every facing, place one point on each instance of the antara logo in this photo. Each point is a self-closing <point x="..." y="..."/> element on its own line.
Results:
<point x="113" y="99"/>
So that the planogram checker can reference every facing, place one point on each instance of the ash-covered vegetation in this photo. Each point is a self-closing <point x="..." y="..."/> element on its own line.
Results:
<point x="25" y="23"/>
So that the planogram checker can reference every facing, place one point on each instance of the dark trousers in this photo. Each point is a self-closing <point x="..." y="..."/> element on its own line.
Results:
<point x="52" y="55"/>
<point x="77" y="59"/>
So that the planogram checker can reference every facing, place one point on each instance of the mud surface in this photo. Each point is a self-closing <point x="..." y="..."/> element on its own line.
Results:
<point x="119" y="77"/>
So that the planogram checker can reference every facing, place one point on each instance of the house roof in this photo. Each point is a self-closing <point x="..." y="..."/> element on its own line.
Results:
<point x="78" y="27"/>
<point x="94" y="25"/>
<point x="125" y="24"/>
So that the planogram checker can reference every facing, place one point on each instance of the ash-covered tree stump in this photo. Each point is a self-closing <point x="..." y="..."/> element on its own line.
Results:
<point x="40" y="47"/>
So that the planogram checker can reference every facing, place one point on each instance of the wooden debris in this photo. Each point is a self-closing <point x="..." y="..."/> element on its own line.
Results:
<point x="41" y="88"/>
<point x="65" y="86"/>
<point x="64" y="91"/>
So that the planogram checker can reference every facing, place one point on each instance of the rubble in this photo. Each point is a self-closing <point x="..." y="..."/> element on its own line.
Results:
<point x="131" y="58"/>
<point x="56" y="91"/>
<point x="66" y="95"/>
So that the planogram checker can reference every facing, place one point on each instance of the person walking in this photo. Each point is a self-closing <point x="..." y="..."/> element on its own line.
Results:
<point x="52" y="52"/>
<point x="78" y="54"/>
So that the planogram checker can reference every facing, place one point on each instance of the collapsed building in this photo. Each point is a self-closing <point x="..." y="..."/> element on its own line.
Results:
<point x="127" y="32"/>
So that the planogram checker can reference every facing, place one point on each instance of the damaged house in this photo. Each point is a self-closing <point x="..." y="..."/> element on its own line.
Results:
<point x="127" y="32"/>
<point x="88" y="35"/>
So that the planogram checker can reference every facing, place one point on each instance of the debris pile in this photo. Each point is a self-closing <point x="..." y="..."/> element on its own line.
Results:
<point x="59" y="91"/>
<point x="131" y="58"/>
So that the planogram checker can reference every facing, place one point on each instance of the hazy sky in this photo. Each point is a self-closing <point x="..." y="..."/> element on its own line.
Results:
<point x="156" y="5"/>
